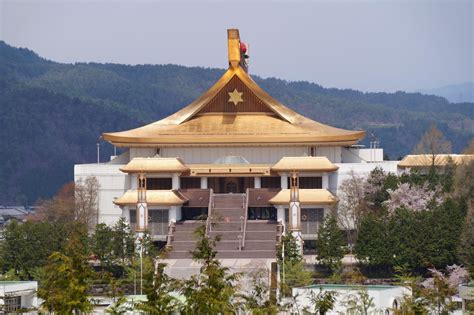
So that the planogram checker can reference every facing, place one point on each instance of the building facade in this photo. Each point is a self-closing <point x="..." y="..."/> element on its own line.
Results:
<point x="228" y="158"/>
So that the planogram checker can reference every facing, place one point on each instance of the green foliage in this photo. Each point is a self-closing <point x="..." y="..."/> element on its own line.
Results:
<point x="123" y="241"/>
<point x="258" y="300"/>
<point x="66" y="279"/>
<point x="26" y="247"/>
<point x="158" y="287"/>
<point x="330" y="243"/>
<point x="213" y="290"/>
<point x="373" y="242"/>
<point x="359" y="302"/>
<point x="102" y="244"/>
<point x="61" y="109"/>
<point x="288" y="249"/>
<point x="322" y="302"/>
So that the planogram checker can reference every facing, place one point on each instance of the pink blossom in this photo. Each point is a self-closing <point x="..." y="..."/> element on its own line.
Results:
<point x="416" y="198"/>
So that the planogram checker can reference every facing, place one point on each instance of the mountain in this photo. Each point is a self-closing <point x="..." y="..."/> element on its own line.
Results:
<point x="51" y="114"/>
<point x="456" y="93"/>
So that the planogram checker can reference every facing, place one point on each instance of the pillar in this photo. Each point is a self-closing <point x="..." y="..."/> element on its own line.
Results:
<point x="172" y="214"/>
<point x="257" y="182"/>
<point x="126" y="214"/>
<point x="175" y="181"/>
<point x="325" y="181"/>
<point x="281" y="214"/>
<point x="203" y="182"/>
<point x="284" y="181"/>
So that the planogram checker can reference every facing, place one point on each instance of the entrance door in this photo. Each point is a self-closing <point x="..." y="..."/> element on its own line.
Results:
<point x="226" y="185"/>
<point x="231" y="185"/>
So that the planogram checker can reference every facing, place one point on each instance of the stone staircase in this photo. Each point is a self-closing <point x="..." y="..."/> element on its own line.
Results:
<point x="228" y="215"/>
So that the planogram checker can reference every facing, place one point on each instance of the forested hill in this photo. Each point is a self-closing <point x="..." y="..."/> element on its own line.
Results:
<point x="51" y="114"/>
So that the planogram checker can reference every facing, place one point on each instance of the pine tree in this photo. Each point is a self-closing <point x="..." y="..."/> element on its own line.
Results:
<point x="330" y="243"/>
<point x="66" y="279"/>
<point x="213" y="290"/>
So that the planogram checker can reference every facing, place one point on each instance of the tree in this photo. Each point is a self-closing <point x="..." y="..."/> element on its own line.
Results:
<point x="292" y="267"/>
<point x="123" y="241"/>
<point x="359" y="303"/>
<point x="440" y="288"/>
<point x="330" y="243"/>
<point x="213" y="290"/>
<point x="66" y="279"/>
<point x="322" y="302"/>
<point x="470" y="148"/>
<point x="158" y="287"/>
<point x="416" y="198"/>
<point x="373" y="242"/>
<point x="102" y="244"/>
<point x="351" y="205"/>
<point x="60" y="208"/>
<point x="86" y="208"/>
<point x="433" y="143"/>
<point x="25" y="247"/>
<point x="257" y="299"/>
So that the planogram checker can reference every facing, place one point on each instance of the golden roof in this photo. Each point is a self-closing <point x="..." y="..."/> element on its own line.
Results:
<point x="155" y="165"/>
<point x="304" y="164"/>
<point x="212" y="119"/>
<point x="153" y="197"/>
<point x="307" y="197"/>
<point x="210" y="170"/>
<point x="426" y="160"/>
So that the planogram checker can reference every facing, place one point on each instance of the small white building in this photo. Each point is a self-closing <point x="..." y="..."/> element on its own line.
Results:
<point x="385" y="298"/>
<point x="15" y="295"/>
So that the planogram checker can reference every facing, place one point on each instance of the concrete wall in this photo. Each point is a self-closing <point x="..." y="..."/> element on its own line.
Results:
<point x="359" y="169"/>
<point x="25" y="289"/>
<point x="361" y="155"/>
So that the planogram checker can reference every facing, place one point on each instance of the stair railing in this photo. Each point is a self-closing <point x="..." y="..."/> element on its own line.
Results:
<point x="209" y="212"/>
<point x="246" y="205"/>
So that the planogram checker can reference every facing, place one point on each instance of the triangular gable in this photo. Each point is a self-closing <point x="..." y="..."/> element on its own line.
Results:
<point x="235" y="97"/>
<point x="216" y="99"/>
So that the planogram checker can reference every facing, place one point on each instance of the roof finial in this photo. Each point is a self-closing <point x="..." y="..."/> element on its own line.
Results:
<point x="233" y="46"/>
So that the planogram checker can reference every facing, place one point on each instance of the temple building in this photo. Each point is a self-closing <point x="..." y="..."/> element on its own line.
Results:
<point x="229" y="158"/>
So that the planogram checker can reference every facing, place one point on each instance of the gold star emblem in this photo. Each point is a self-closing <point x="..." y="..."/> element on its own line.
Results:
<point x="235" y="97"/>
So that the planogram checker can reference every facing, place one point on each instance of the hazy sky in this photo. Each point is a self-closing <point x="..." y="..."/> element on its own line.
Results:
<point x="367" y="45"/>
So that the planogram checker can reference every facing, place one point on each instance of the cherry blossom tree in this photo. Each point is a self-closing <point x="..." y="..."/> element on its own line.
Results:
<point x="413" y="197"/>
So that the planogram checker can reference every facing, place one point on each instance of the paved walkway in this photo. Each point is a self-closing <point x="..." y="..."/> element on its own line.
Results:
<point x="185" y="268"/>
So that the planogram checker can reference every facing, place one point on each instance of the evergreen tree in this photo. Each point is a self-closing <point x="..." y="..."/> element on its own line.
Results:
<point x="213" y="290"/>
<point x="102" y="244"/>
<point x="66" y="279"/>
<point x="158" y="287"/>
<point x="330" y="243"/>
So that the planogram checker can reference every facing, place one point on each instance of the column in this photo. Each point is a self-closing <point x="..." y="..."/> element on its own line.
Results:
<point x="325" y="181"/>
<point x="126" y="214"/>
<point x="172" y="214"/>
<point x="281" y="214"/>
<point x="203" y="182"/>
<point x="284" y="180"/>
<point x="257" y="182"/>
<point x="175" y="181"/>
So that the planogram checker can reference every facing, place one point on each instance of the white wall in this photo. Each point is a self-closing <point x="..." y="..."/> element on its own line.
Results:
<point x="252" y="154"/>
<point x="359" y="169"/>
<point x="113" y="184"/>
<point x="360" y="155"/>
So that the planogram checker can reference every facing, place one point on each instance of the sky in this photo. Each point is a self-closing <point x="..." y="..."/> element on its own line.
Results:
<point x="366" y="45"/>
